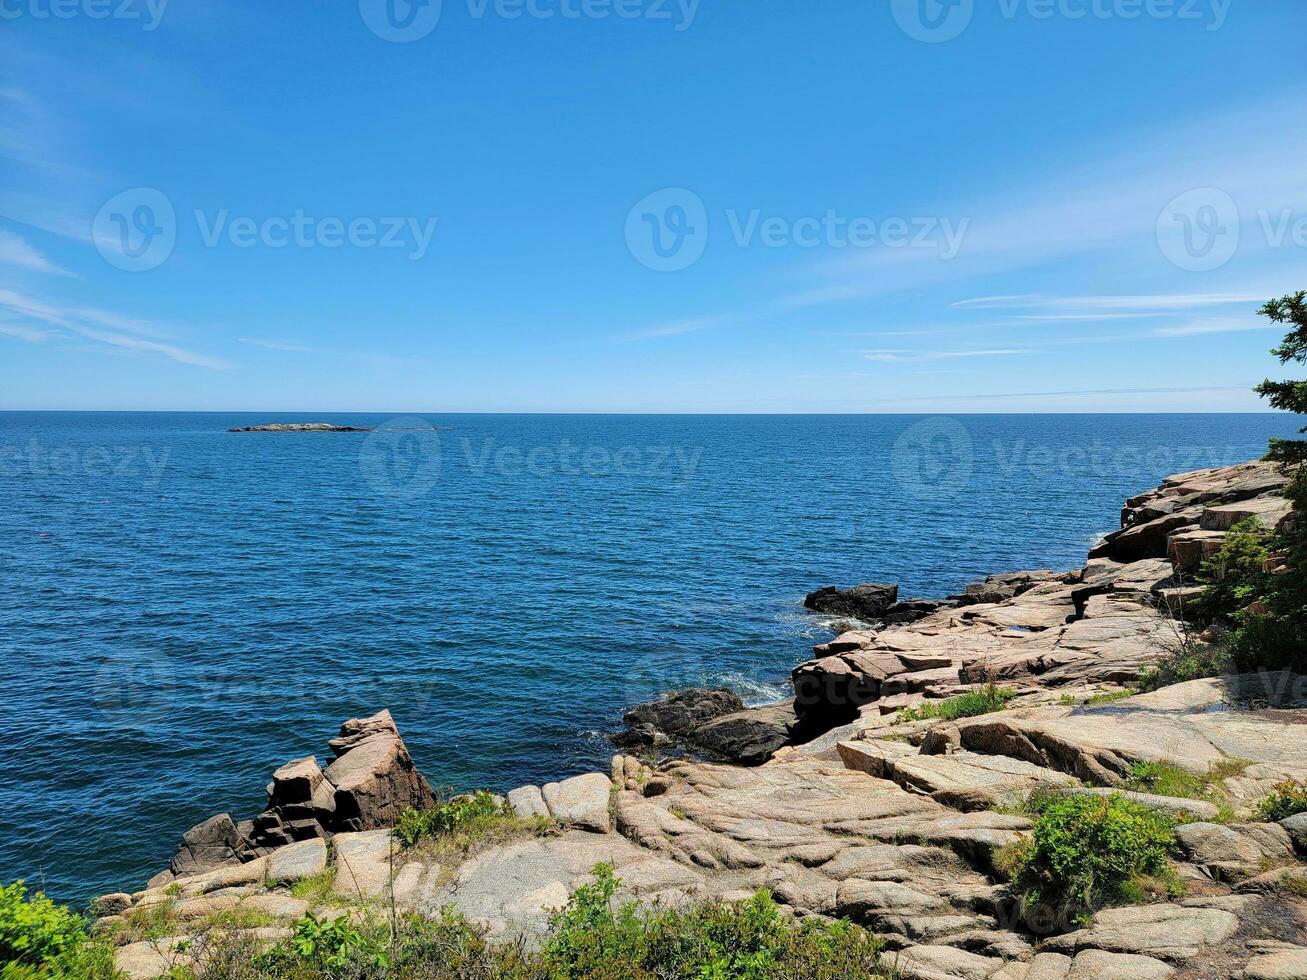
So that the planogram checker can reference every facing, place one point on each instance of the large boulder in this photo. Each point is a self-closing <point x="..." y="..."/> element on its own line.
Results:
<point x="868" y="601"/>
<point x="681" y="712"/>
<point x="714" y="721"/>
<point x="215" y="843"/>
<point x="828" y="691"/>
<point x="749" y="737"/>
<point x="373" y="775"/>
<point x="371" y="780"/>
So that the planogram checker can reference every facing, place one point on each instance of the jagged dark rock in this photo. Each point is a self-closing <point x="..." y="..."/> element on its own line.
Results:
<point x="371" y="780"/>
<point x="713" y="721"/>
<point x="214" y="843"/>
<point x="868" y="601"/>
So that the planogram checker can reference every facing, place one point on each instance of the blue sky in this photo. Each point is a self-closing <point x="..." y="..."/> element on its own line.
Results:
<point x="647" y="205"/>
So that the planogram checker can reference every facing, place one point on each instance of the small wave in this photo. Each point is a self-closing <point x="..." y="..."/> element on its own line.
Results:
<point x="752" y="691"/>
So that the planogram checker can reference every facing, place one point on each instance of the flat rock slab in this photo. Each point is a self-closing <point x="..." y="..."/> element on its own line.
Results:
<point x="1284" y="964"/>
<point x="581" y="801"/>
<point x="971" y="778"/>
<point x="943" y="963"/>
<point x="146" y="960"/>
<point x="1236" y="852"/>
<point x="528" y="801"/>
<point x="1096" y="964"/>
<point x="298" y="861"/>
<point x="512" y="889"/>
<point x="1169" y="932"/>
<point x="1099" y="745"/>
<point x="363" y="863"/>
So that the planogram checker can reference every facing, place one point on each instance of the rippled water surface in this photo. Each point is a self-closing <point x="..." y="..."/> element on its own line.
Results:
<point x="185" y="608"/>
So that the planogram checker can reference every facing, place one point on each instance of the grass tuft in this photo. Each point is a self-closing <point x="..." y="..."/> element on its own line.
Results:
<point x="988" y="699"/>
<point x="1286" y="799"/>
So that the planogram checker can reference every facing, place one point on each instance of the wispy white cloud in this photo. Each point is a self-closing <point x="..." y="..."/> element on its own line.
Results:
<point x="276" y="345"/>
<point x="1090" y="304"/>
<point x="29" y="334"/>
<point x="1110" y="205"/>
<point x="1214" y="326"/>
<point x="676" y="327"/>
<point x="17" y="252"/>
<point x="128" y="342"/>
<point x="894" y="356"/>
<point x="99" y="326"/>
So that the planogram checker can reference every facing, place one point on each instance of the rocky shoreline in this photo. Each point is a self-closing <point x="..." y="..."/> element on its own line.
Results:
<point x="854" y="799"/>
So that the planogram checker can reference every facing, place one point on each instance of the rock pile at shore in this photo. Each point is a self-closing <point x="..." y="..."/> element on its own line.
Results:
<point x="892" y="820"/>
<point x="370" y="781"/>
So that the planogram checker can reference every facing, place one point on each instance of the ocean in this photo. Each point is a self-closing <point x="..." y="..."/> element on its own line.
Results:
<point x="186" y="608"/>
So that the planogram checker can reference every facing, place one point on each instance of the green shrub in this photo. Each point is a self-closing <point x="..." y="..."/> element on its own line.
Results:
<point x="1088" y="851"/>
<point x="1168" y="779"/>
<point x="748" y="941"/>
<point x="590" y="939"/>
<point x="982" y="702"/>
<point x="1190" y="661"/>
<point x="1265" y="640"/>
<point x="459" y="813"/>
<point x="1284" y="800"/>
<point x="35" y="930"/>
<point x="1237" y="569"/>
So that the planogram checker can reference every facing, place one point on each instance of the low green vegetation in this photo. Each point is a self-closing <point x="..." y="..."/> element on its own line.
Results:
<point x="465" y="823"/>
<point x="592" y="938"/>
<point x="34" y="930"/>
<point x="1191" y="660"/>
<point x="317" y="890"/>
<point x="1168" y="779"/>
<point x="1285" y="799"/>
<point x="989" y="698"/>
<point x="1105" y="697"/>
<point x="39" y="939"/>
<point x="1269" y="608"/>
<point x="1088" y="851"/>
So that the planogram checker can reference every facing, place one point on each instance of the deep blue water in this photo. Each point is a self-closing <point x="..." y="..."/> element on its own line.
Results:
<point x="184" y="609"/>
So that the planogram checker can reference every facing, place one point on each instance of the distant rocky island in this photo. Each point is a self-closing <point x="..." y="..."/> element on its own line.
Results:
<point x="299" y="427"/>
